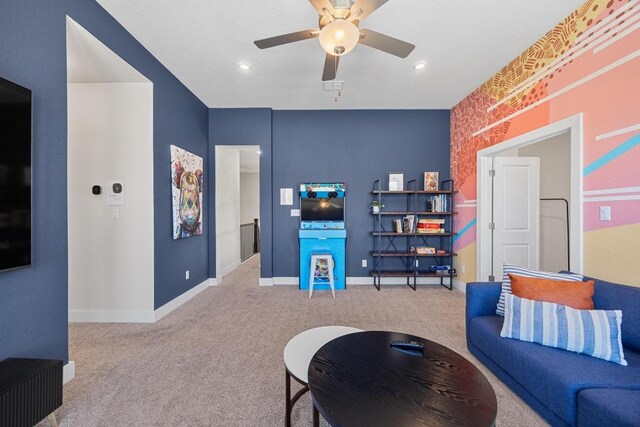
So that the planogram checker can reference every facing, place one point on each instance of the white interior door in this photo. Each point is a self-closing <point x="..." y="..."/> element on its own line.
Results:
<point x="516" y="212"/>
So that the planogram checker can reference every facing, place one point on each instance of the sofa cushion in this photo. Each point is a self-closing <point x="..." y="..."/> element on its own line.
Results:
<point x="592" y="332"/>
<point x="574" y="294"/>
<point x="599" y="407"/>
<point x="611" y="296"/>
<point x="527" y="272"/>
<point x="552" y="375"/>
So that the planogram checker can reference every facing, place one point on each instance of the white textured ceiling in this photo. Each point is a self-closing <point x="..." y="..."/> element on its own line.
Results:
<point x="464" y="42"/>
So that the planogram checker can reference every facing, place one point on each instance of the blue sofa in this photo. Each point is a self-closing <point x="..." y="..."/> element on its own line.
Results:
<point x="565" y="388"/>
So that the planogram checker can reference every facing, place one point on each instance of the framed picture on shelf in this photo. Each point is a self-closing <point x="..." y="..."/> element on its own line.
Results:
<point x="396" y="181"/>
<point x="431" y="181"/>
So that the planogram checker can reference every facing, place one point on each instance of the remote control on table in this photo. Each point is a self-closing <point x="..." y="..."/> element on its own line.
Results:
<point x="407" y="345"/>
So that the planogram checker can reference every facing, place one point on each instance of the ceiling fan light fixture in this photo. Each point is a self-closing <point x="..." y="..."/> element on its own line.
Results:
<point x="339" y="37"/>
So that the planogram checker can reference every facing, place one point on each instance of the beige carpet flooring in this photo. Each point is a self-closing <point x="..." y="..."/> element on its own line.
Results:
<point x="217" y="360"/>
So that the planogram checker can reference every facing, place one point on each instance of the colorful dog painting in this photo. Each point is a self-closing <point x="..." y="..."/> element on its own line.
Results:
<point x="186" y="191"/>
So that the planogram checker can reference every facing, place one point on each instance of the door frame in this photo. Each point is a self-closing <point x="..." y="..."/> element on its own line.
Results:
<point x="574" y="126"/>
<point x="221" y="273"/>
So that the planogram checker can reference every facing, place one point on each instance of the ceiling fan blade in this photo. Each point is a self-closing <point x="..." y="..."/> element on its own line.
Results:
<point x="367" y="7"/>
<point x="286" y="38"/>
<point x="330" y="67"/>
<point x="319" y="5"/>
<point x="386" y="43"/>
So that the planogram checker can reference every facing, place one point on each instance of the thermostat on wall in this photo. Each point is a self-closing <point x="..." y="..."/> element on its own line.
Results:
<point x="115" y="193"/>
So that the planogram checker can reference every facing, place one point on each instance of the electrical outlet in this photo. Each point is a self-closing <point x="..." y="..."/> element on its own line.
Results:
<point x="417" y="263"/>
<point x="186" y="275"/>
<point x="364" y="263"/>
<point x="463" y="269"/>
<point x="605" y="213"/>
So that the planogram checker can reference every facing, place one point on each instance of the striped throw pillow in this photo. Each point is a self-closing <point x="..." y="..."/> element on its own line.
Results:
<point x="527" y="272"/>
<point x="595" y="333"/>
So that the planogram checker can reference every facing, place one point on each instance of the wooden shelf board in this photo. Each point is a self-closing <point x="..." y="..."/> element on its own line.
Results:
<point x="389" y="233"/>
<point x="415" y="213"/>
<point x="409" y="254"/>
<point x="414" y="192"/>
<point x="400" y="273"/>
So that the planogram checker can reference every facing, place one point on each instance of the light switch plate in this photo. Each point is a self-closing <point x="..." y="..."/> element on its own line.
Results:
<point x="605" y="213"/>
<point x="364" y="263"/>
<point x="295" y="212"/>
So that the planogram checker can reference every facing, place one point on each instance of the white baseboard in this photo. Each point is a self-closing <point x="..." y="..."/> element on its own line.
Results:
<point x="68" y="372"/>
<point x="285" y="281"/>
<point x="461" y="286"/>
<point x="111" y="316"/>
<point x="265" y="281"/>
<point x="228" y="269"/>
<point x="213" y="281"/>
<point x="137" y="316"/>
<point x="178" y="301"/>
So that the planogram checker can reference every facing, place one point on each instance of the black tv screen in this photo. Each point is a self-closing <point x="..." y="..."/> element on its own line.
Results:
<point x="322" y="209"/>
<point x="15" y="175"/>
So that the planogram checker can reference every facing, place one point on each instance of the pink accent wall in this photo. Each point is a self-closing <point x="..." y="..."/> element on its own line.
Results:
<point x="604" y="86"/>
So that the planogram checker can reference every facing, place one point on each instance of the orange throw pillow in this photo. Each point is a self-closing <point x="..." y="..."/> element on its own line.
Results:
<point x="578" y="295"/>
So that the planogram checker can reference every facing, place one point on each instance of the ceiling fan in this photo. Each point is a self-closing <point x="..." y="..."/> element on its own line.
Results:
<point x="339" y="32"/>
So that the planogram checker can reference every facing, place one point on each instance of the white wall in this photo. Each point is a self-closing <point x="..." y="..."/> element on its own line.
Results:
<point x="110" y="134"/>
<point x="249" y="197"/>
<point x="555" y="182"/>
<point x="227" y="210"/>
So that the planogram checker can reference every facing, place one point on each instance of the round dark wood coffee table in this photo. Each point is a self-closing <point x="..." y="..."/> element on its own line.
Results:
<point x="359" y="380"/>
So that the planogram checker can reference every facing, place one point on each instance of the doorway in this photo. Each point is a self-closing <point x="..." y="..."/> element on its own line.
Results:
<point x="555" y="206"/>
<point x="237" y="206"/>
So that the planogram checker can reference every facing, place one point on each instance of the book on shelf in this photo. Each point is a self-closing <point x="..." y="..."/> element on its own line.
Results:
<point x="437" y="203"/>
<point x="430" y="225"/>
<point x="430" y="231"/>
<point x="408" y="224"/>
<point x="431" y="221"/>
<point x="423" y="250"/>
<point x="397" y="225"/>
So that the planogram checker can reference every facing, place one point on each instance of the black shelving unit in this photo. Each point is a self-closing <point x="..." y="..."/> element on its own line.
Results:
<point x="389" y="245"/>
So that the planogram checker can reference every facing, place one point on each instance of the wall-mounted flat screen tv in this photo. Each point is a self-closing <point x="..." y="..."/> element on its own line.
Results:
<point x="15" y="176"/>
<point x="322" y="209"/>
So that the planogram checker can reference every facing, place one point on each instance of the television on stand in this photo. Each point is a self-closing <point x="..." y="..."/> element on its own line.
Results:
<point x="15" y="176"/>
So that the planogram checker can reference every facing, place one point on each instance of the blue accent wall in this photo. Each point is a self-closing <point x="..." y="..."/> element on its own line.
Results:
<point x="248" y="126"/>
<point x="357" y="147"/>
<point x="33" y="301"/>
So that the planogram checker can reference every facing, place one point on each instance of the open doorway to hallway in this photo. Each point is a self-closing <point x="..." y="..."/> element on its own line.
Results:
<point x="237" y="206"/>
<point x="530" y="201"/>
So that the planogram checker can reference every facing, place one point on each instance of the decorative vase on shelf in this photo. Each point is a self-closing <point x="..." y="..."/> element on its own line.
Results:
<point x="376" y="209"/>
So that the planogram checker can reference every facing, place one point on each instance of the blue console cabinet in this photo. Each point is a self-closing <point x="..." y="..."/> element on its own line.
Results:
<point x="332" y="242"/>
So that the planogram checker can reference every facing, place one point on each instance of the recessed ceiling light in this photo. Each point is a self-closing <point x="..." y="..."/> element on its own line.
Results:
<point x="420" y="65"/>
<point x="244" y="66"/>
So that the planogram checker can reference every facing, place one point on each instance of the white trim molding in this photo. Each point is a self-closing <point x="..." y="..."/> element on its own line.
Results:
<point x="573" y="125"/>
<point x="228" y="269"/>
<point x="137" y="316"/>
<point x="285" y="281"/>
<point x="68" y="372"/>
<point x="111" y="316"/>
<point x="180" y="300"/>
<point x="266" y="281"/>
